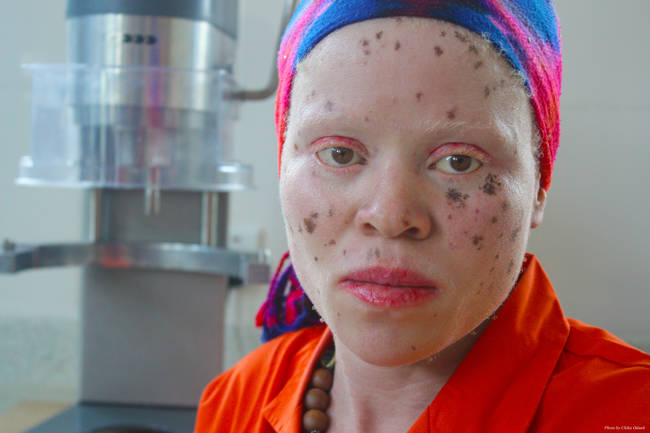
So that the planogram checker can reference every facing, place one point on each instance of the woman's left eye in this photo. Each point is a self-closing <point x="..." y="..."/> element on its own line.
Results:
<point x="340" y="156"/>
<point x="457" y="164"/>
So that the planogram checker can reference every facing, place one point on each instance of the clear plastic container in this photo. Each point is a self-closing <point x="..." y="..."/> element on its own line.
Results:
<point x="132" y="127"/>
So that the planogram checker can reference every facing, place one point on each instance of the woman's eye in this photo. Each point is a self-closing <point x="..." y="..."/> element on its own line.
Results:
<point x="339" y="156"/>
<point x="457" y="164"/>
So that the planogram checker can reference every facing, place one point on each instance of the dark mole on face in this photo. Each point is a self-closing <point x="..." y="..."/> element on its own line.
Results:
<point x="366" y="52"/>
<point x="449" y="217"/>
<point x="515" y="234"/>
<point x="504" y="206"/>
<point x="461" y="37"/>
<point x="329" y="105"/>
<point x="438" y="51"/>
<point x="397" y="45"/>
<point x="491" y="184"/>
<point x="494" y="220"/>
<point x="476" y="239"/>
<point x="330" y="213"/>
<point x="486" y="91"/>
<point x="456" y="197"/>
<point x="315" y="259"/>
<point x="345" y="252"/>
<point x="478" y="64"/>
<point x="451" y="114"/>
<point x="378" y="35"/>
<point x="443" y="33"/>
<point x="511" y="265"/>
<point x="496" y="257"/>
<point x="366" y="119"/>
<point x="310" y="223"/>
<point x="365" y="42"/>
<point x="310" y="226"/>
<point x="418" y="96"/>
<point x="412" y="347"/>
<point x="331" y="242"/>
<point x="472" y="49"/>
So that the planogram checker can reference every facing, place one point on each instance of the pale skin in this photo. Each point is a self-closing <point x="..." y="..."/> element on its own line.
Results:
<point x="409" y="145"/>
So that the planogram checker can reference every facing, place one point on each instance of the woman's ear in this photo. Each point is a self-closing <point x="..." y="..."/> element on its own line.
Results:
<point x="538" y="207"/>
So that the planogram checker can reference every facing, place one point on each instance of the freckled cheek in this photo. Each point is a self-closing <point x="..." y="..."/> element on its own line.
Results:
<point x="313" y="227"/>
<point x="297" y="192"/>
<point x="478" y="228"/>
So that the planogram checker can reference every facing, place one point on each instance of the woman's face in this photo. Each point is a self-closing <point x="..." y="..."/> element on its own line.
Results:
<point x="408" y="185"/>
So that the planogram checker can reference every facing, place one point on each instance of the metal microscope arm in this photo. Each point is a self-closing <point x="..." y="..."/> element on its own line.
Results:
<point x="272" y="83"/>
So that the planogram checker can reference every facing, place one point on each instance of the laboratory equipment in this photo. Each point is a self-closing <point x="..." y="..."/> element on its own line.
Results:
<point x="141" y="118"/>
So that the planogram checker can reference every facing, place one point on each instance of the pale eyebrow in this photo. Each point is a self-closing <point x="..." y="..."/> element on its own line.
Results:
<point x="318" y="116"/>
<point x="430" y="127"/>
<point x="497" y="128"/>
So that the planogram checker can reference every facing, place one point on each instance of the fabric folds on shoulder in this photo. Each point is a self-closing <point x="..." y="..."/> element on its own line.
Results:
<point x="234" y="401"/>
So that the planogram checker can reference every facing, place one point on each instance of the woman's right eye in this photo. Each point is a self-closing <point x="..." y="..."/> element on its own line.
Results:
<point x="340" y="156"/>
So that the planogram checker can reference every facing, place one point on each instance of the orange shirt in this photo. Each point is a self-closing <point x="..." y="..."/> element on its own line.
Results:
<point x="533" y="370"/>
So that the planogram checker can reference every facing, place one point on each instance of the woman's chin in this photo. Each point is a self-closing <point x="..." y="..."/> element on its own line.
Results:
<point x="388" y="348"/>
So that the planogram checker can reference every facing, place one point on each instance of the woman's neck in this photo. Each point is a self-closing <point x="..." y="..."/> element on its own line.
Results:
<point x="367" y="397"/>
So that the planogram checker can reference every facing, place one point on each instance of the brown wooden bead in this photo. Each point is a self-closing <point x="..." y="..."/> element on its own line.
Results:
<point x="322" y="378"/>
<point x="316" y="398"/>
<point x="315" y="420"/>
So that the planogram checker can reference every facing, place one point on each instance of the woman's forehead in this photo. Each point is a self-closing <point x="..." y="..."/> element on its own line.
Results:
<point x="407" y="52"/>
<point x="404" y="66"/>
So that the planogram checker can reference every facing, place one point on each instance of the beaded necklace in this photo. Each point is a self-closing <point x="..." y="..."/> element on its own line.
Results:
<point x="317" y="398"/>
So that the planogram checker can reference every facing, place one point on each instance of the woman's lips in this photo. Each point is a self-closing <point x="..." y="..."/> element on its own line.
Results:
<point x="389" y="287"/>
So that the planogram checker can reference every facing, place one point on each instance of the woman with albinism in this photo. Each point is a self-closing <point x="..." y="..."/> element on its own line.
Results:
<point x="416" y="147"/>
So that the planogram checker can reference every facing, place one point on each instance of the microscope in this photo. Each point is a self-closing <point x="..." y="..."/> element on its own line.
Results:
<point x="141" y="117"/>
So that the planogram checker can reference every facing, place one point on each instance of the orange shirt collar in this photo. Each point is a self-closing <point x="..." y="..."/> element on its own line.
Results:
<point x="497" y="387"/>
<point x="500" y="383"/>
<point x="284" y="412"/>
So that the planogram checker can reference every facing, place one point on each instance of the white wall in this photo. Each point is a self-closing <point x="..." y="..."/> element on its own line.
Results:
<point x="31" y="214"/>
<point x="594" y="241"/>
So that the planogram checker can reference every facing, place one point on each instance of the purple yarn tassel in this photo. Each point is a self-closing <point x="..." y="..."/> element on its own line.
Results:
<point x="287" y="307"/>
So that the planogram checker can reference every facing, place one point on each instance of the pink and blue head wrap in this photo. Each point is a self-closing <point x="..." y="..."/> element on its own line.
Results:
<point x="525" y="32"/>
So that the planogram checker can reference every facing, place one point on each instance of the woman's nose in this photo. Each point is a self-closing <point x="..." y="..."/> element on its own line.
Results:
<point x="395" y="208"/>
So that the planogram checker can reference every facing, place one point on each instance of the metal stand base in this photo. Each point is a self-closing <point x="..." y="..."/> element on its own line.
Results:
<point x="103" y="418"/>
